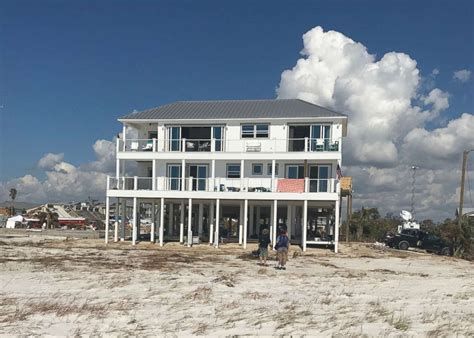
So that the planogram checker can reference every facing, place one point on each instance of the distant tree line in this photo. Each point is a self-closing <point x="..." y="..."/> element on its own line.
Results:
<point x="367" y="225"/>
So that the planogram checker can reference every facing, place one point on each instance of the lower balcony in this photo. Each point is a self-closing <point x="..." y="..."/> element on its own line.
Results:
<point x="222" y="184"/>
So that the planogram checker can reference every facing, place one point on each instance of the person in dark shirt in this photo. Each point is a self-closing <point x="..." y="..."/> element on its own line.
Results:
<point x="282" y="245"/>
<point x="263" y="242"/>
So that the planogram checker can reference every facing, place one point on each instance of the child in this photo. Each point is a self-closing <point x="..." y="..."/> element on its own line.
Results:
<point x="281" y="247"/>
<point x="263" y="242"/>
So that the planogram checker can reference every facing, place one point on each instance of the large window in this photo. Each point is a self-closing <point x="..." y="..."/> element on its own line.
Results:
<point x="294" y="171"/>
<point x="233" y="171"/>
<point x="255" y="131"/>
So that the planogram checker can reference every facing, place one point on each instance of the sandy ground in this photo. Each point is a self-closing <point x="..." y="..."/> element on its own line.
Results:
<point x="81" y="287"/>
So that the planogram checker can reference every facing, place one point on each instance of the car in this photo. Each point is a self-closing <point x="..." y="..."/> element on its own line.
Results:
<point x="415" y="238"/>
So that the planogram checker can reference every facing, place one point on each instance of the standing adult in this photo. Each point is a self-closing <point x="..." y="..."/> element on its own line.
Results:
<point x="263" y="242"/>
<point x="282" y="245"/>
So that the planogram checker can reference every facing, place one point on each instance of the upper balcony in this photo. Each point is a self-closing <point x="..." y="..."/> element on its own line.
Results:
<point x="230" y="145"/>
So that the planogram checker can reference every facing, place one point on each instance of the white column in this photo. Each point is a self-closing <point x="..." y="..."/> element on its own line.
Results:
<point x="117" y="169"/>
<point x="293" y="220"/>
<point x="251" y="221"/>
<point x="200" y="215"/>
<point x="336" y="227"/>
<point x="134" y="224"/>
<point x="162" y="219"/>
<point x="213" y="175"/>
<point x="124" y="136"/>
<point x="117" y="214"/>
<point x="124" y="217"/>
<point x="171" y="219"/>
<point x="153" y="174"/>
<point x="216" y="235"/>
<point x="275" y="222"/>
<point x="241" y="221"/>
<point x="211" y="222"/>
<point x="305" y="224"/>
<point x="246" y="208"/>
<point x="107" y="207"/>
<point x="183" y="175"/>
<point x="258" y="220"/>
<point x="190" y="219"/>
<point x="273" y="175"/>
<point x="181" y="224"/>
<point x="242" y="172"/>
<point x="289" y="218"/>
<point x="153" y="222"/>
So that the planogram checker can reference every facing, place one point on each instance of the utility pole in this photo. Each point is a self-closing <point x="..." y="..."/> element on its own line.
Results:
<point x="414" y="168"/>
<point x="463" y="175"/>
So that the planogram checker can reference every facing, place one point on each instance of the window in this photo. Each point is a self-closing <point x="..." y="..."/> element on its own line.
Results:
<point x="255" y="131"/>
<point x="269" y="169"/>
<point x="257" y="169"/>
<point x="261" y="130"/>
<point x="233" y="171"/>
<point x="294" y="171"/>
<point x="247" y="130"/>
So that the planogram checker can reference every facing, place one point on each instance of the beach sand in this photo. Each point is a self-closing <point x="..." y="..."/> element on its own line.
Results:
<point x="82" y="287"/>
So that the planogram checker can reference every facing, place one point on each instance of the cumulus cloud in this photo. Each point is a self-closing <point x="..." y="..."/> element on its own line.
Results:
<point x="63" y="181"/>
<point x="462" y="75"/>
<point x="389" y="105"/>
<point x="49" y="160"/>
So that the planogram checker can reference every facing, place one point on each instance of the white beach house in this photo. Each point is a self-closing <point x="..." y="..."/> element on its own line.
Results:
<point x="218" y="171"/>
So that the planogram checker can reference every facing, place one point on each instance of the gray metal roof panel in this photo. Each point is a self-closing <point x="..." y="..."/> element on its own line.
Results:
<point x="233" y="109"/>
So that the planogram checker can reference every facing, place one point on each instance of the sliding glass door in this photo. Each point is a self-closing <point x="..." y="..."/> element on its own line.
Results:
<point x="319" y="178"/>
<point x="199" y="174"/>
<point x="175" y="138"/>
<point x="218" y="135"/>
<point x="320" y="136"/>
<point x="174" y="177"/>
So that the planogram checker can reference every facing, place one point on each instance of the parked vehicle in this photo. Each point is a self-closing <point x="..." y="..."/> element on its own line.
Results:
<point x="415" y="238"/>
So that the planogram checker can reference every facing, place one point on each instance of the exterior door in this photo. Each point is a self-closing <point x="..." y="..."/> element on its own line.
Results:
<point x="174" y="177"/>
<point x="218" y="135"/>
<point x="175" y="138"/>
<point x="319" y="178"/>
<point x="320" y="132"/>
<point x="199" y="175"/>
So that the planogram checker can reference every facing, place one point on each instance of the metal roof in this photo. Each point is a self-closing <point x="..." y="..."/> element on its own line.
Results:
<point x="233" y="109"/>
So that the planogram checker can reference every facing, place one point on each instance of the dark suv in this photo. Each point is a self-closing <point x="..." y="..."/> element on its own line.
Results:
<point x="418" y="239"/>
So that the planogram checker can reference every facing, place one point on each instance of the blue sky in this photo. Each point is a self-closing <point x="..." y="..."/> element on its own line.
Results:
<point x="70" y="69"/>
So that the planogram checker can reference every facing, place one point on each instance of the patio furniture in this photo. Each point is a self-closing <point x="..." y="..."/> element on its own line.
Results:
<point x="148" y="146"/>
<point x="134" y="146"/>
<point x="233" y="189"/>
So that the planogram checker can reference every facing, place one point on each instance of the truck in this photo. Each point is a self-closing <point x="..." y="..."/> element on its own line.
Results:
<point x="416" y="238"/>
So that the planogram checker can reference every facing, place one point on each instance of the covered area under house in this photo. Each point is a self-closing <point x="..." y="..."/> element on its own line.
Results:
<point x="219" y="221"/>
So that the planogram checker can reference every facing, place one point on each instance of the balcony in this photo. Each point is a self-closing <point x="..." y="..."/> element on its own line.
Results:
<point x="229" y="145"/>
<point x="225" y="185"/>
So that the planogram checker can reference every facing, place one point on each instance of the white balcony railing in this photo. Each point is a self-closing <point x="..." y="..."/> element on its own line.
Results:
<point x="222" y="184"/>
<point x="230" y="145"/>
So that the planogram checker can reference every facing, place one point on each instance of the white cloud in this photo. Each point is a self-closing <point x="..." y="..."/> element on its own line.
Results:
<point x="49" y="160"/>
<point x="438" y="99"/>
<point x="339" y="73"/>
<point x="64" y="181"/>
<point x="462" y="75"/>
<point x="389" y="106"/>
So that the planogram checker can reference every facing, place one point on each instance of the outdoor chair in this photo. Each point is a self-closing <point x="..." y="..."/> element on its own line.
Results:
<point x="134" y="146"/>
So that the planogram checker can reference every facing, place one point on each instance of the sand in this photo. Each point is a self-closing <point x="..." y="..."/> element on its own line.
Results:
<point x="82" y="287"/>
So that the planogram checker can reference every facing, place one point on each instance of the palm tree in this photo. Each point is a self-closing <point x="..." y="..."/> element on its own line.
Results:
<point x="12" y="196"/>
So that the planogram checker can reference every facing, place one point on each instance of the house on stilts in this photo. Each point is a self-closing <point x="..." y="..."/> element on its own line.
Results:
<point x="213" y="171"/>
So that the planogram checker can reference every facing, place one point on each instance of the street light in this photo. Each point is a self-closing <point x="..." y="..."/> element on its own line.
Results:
<point x="463" y="174"/>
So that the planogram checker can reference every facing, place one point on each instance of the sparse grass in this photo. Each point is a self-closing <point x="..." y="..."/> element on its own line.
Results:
<point x="255" y="295"/>
<point x="201" y="329"/>
<point x="226" y="279"/>
<point x="202" y="293"/>
<point x="399" y="322"/>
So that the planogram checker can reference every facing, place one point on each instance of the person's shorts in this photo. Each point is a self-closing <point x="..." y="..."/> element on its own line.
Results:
<point x="263" y="252"/>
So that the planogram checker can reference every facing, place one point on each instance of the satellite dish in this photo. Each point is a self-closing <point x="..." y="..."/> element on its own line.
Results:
<point x="406" y="215"/>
